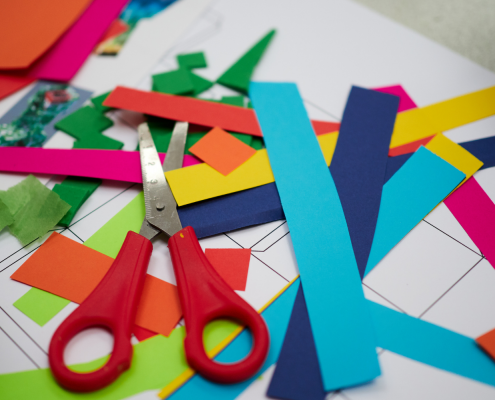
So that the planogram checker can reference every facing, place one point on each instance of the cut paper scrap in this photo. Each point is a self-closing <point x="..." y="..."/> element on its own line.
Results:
<point x="173" y="82"/>
<point x="416" y="189"/>
<point x="296" y="374"/>
<point x="178" y="108"/>
<point x="197" y="111"/>
<point x="116" y="28"/>
<point x="359" y="163"/>
<point x="40" y="306"/>
<point x="65" y="58"/>
<point x="409" y="147"/>
<point x="71" y="270"/>
<point x="276" y="317"/>
<point x="156" y="362"/>
<point x="420" y="123"/>
<point x="42" y="24"/>
<point x="487" y="343"/>
<point x="323" y="127"/>
<point x="222" y="151"/>
<point x="142" y="333"/>
<point x="201" y="182"/>
<point x="337" y="310"/>
<point x="475" y="211"/>
<point x="35" y="209"/>
<point x="12" y="83"/>
<point x="231" y="264"/>
<point x="192" y="60"/>
<point x="445" y="148"/>
<point x="483" y="149"/>
<point x="103" y="164"/>
<point x="6" y="216"/>
<point x="238" y="76"/>
<point x="405" y="103"/>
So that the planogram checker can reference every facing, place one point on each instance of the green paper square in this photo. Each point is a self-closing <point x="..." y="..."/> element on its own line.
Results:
<point x="40" y="306"/>
<point x="173" y="82"/>
<point x="192" y="60"/>
<point x="84" y="122"/>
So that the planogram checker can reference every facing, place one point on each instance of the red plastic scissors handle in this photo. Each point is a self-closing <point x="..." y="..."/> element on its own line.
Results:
<point x="112" y="305"/>
<point x="205" y="296"/>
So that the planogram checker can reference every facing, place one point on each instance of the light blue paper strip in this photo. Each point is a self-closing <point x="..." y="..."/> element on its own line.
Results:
<point x="431" y="344"/>
<point x="414" y="190"/>
<point x="277" y="317"/>
<point x="339" y="317"/>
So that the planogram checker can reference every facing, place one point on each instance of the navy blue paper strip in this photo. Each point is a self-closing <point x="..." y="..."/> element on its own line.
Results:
<point x="483" y="150"/>
<point x="359" y="163"/>
<point x="394" y="164"/>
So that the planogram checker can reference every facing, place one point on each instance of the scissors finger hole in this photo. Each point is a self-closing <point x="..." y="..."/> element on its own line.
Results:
<point x="224" y="325"/>
<point x="88" y="345"/>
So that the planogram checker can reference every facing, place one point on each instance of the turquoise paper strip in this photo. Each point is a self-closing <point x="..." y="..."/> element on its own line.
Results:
<point x="414" y="190"/>
<point x="339" y="317"/>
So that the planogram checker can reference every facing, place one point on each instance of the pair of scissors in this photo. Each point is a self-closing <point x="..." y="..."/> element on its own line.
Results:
<point x="203" y="294"/>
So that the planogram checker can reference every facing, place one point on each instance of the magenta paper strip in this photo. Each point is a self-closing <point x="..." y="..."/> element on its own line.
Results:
<point x="475" y="211"/>
<point x="65" y="58"/>
<point x="115" y="165"/>
<point x="406" y="103"/>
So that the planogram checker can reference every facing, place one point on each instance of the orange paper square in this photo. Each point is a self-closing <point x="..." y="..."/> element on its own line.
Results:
<point x="222" y="151"/>
<point x="231" y="264"/>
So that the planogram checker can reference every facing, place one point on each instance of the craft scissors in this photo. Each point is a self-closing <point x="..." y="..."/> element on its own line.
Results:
<point x="203" y="294"/>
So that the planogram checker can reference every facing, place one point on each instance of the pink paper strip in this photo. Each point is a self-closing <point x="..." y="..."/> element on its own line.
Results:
<point x="406" y="103"/>
<point x="475" y="211"/>
<point x="65" y="58"/>
<point x="115" y="165"/>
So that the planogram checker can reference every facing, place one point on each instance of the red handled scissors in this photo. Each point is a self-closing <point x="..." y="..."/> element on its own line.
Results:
<point x="203" y="294"/>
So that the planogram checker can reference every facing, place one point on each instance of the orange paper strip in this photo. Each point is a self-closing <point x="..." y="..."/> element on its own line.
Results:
<point x="71" y="270"/>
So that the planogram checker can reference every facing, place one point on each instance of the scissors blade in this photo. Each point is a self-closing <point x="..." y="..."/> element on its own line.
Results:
<point x="161" y="208"/>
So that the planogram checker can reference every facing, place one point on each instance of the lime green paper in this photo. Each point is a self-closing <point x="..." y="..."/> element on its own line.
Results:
<point x="40" y="306"/>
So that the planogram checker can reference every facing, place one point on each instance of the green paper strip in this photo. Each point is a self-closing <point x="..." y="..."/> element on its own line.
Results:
<point x="89" y="184"/>
<point x="192" y="60"/>
<point x="99" y="142"/>
<point x="239" y="75"/>
<point x="74" y="196"/>
<point x="40" y="306"/>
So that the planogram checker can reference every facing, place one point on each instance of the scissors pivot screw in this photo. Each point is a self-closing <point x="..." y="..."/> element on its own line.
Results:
<point x="160" y="206"/>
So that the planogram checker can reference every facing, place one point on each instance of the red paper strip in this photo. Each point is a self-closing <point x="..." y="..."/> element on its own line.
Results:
<point x="231" y="264"/>
<point x="322" y="127"/>
<point x="409" y="147"/>
<point x="475" y="211"/>
<point x="11" y="83"/>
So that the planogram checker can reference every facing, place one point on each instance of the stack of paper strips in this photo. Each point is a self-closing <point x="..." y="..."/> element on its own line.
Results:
<point x="357" y="219"/>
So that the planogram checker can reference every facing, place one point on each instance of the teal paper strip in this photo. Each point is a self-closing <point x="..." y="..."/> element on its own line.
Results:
<point x="277" y="317"/>
<point x="415" y="189"/>
<point x="338" y="313"/>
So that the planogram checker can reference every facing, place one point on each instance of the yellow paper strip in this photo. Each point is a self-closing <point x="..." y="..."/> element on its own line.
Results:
<point x="201" y="182"/>
<point x="455" y="155"/>
<point x="419" y="123"/>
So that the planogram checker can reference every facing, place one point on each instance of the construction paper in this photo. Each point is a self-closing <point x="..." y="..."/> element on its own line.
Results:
<point x="178" y="108"/>
<point x="12" y="83"/>
<point x="420" y="123"/>
<point x="231" y="264"/>
<point x="276" y="317"/>
<point x="156" y="362"/>
<point x="409" y="147"/>
<point x="322" y="127"/>
<point x="116" y="28"/>
<point x="405" y="103"/>
<point x="71" y="270"/>
<point x="412" y="192"/>
<point x="222" y="151"/>
<point x="475" y="211"/>
<point x="142" y="333"/>
<point x="97" y="141"/>
<point x="35" y="209"/>
<point x="257" y="143"/>
<point x="482" y="149"/>
<point x="359" y="163"/>
<point x="337" y="310"/>
<point x="42" y="23"/>
<point x="239" y="74"/>
<point x="233" y="211"/>
<point x="296" y="375"/>
<point x="103" y="164"/>
<point x="73" y="196"/>
<point x="192" y="60"/>
<point x="173" y="82"/>
<point x="98" y="102"/>
<point x="201" y="182"/>
<point x="487" y="343"/>
<point x="233" y="100"/>
<point x="68" y="55"/>
<point x="200" y="84"/>
<point x="445" y="148"/>
<point x="31" y="121"/>
<point x="40" y="306"/>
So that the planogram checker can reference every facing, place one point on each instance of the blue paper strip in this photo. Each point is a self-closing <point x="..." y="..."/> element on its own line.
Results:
<point x="277" y="317"/>
<point x="359" y="163"/>
<point x="295" y="377"/>
<point x="394" y="164"/>
<point x="483" y="150"/>
<point x="337" y="309"/>
<point x="416" y="189"/>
